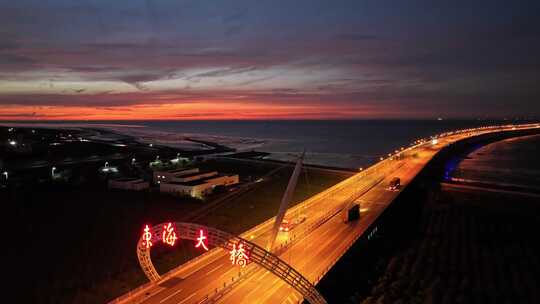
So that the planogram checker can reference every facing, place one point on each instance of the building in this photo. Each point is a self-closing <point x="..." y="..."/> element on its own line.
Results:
<point x="135" y="184"/>
<point x="189" y="177"/>
<point x="160" y="176"/>
<point x="199" y="187"/>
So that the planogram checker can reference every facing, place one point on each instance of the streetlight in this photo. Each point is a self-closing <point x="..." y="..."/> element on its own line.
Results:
<point x="5" y="174"/>
<point x="52" y="171"/>
<point x="133" y="160"/>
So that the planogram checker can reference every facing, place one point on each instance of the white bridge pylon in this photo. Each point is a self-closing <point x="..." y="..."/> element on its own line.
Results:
<point x="225" y="240"/>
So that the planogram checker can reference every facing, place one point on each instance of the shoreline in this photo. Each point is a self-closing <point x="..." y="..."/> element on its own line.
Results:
<point x="216" y="149"/>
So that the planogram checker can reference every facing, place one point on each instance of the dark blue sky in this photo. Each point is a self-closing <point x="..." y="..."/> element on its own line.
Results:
<point x="268" y="59"/>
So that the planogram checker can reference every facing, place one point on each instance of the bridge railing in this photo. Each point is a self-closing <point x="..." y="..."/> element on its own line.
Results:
<point x="321" y="196"/>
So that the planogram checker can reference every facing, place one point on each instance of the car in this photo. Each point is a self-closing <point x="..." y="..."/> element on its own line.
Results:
<point x="394" y="184"/>
<point x="288" y="225"/>
<point x="285" y="225"/>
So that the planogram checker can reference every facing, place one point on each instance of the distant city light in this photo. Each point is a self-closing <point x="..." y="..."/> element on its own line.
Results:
<point x="12" y="142"/>
<point x="434" y="141"/>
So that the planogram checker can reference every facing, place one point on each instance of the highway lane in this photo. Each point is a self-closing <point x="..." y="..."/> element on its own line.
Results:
<point x="185" y="292"/>
<point x="184" y="280"/>
<point x="312" y="255"/>
<point x="326" y="244"/>
<point x="208" y="283"/>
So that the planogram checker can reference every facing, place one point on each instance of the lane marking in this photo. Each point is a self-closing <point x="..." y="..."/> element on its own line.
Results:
<point x="263" y="275"/>
<point x="185" y="299"/>
<point x="216" y="268"/>
<point x="171" y="295"/>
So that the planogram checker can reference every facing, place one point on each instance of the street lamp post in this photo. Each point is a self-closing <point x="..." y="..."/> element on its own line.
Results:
<point x="52" y="171"/>
<point x="6" y="174"/>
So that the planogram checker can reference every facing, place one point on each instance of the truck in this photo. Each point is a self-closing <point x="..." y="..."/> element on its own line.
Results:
<point x="394" y="184"/>
<point x="351" y="213"/>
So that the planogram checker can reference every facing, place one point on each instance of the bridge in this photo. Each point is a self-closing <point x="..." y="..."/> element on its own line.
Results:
<point x="308" y="252"/>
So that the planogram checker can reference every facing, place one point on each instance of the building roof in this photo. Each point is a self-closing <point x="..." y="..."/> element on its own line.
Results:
<point x="198" y="181"/>
<point x="197" y="173"/>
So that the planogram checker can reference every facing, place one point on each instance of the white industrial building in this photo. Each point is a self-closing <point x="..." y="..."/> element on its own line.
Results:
<point x="198" y="185"/>
<point x="135" y="184"/>
<point x="171" y="175"/>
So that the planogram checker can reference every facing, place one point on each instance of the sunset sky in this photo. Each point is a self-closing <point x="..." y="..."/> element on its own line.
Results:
<point x="95" y="60"/>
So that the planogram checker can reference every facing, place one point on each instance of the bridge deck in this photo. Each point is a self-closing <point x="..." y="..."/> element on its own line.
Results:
<point x="313" y="247"/>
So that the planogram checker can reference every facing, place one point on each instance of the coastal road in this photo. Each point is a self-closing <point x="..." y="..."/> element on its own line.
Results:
<point x="210" y="274"/>
<point x="312" y="247"/>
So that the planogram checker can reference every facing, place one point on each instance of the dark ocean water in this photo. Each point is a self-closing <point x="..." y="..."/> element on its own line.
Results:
<point x="337" y="143"/>
<point x="341" y="143"/>
<point x="512" y="161"/>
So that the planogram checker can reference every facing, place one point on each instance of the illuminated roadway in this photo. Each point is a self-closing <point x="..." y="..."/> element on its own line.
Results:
<point x="314" y="246"/>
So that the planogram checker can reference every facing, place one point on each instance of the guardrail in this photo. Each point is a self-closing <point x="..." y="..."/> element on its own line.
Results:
<point x="305" y="204"/>
<point x="219" y="293"/>
<point x="318" y="198"/>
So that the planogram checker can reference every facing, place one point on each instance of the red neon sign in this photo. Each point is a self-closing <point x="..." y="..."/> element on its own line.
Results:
<point x="169" y="235"/>
<point x="202" y="240"/>
<point x="147" y="237"/>
<point x="239" y="255"/>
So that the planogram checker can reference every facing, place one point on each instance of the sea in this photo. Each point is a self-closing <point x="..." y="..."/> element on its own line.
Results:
<point x="337" y="143"/>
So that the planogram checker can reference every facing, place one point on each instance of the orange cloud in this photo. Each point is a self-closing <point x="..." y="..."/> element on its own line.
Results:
<point x="185" y="111"/>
